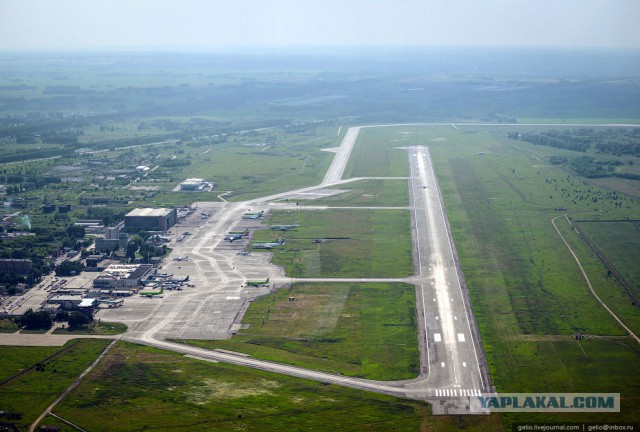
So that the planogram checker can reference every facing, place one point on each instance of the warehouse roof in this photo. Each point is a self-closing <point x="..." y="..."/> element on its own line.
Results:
<point x="149" y="212"/>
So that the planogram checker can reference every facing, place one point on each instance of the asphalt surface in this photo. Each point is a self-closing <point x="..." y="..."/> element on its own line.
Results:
<point x="453" y="361"/>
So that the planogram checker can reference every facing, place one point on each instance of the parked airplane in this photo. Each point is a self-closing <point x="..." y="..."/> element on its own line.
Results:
<point x="256" y="283"/>
<point x="178" y="280"/>
<point x="151" y="294"/>
<point x="270" y="245"/>
<point x="181" y="258"/>
<point x="232" y="237"/>
<point x="244" y="253"/>
<point x="284" y="227"/>
<point x="252" y="215"/>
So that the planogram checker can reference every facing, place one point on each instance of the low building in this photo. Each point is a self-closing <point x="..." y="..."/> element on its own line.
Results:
<point x="150" y="219"/>
<point x="91" y="227"/>
<point x="87" y="305"/>
<point x="193" y="184"/>
<point x="93" y="260"/>
<point x="66" y="301"/>
<point x="123" y="277"/>
<point x="64" y="208"/>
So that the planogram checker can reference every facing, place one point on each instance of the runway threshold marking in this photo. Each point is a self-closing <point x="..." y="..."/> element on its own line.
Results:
<point x="457" y="392"/>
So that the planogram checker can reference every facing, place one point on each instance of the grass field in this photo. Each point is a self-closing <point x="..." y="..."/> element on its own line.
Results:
<point x="359" y="243"/>
<point x="366" y="330"/>
<point x="527" y="292"/>
<point x="377" y="153"/>
<point x="31" y="393"/>
<point x="8" y="326"/>
<point x="605" y="285"/>
<point x="137" y="388"/>
<point x="619" y="242"/>
<point x="365" y="193"/>
<point x="102" y="328"/>
<point x="248" y="165"/>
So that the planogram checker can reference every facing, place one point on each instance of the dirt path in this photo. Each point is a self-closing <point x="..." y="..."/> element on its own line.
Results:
<point x="586" y="278"/>
<point x="69" y="389"/>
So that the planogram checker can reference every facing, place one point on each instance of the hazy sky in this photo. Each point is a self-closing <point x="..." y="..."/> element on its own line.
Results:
<point x="175" y="24"/>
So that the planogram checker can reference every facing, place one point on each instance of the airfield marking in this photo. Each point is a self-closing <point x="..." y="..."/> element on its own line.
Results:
<point x="446" y="227"/>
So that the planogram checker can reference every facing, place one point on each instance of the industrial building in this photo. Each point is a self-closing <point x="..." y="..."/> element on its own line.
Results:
<point x="150" y="219"/>
<point x="193" y="184"/>
<point x="122" y="278"/>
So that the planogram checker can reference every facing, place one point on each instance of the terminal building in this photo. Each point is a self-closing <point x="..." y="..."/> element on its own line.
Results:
<point x="123" y="278"/>
<point x="150" y="219"/>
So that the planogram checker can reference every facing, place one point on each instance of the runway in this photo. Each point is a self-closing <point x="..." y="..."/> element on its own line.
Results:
<point x="449" y="339"/>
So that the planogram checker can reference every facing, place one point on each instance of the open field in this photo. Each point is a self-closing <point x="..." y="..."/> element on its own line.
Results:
<point x="138" y="388"/>
<point x="619" y="242"/>
<point x="528" y="294"/>
<point x="15" y="359"/>
<point x="365" y="330"/>
<point x="368" y="193"/>
<point x="8" y="326"/>
<point x="605" y="285"/>
<point x="523" y="282"/>
<point x="102" y="328"/>
<point x="31" y="393"/>
<point x="377" y="154"/>
<point x="355" y="243"/>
